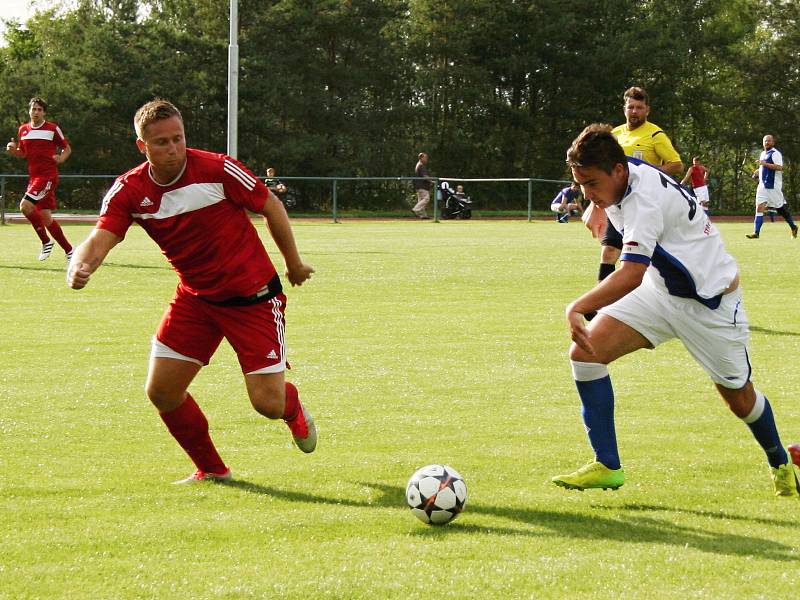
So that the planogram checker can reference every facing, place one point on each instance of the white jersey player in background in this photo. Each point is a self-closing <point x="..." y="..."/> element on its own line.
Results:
<point x="676" y="281"/>
<point x="769" y="193"/>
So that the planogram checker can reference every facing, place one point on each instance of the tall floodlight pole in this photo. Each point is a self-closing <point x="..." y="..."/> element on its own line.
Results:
<point x="233" y="81"/>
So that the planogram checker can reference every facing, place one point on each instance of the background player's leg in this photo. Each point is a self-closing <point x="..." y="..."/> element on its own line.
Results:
<point x="28" y="209"/>
<point x="758" y="221"/>
<point x="55" y="230"/>
<point x="787" y="216"/>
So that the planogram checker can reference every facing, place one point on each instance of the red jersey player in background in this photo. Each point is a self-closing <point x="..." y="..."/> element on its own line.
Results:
<point x="698" y="174"/>
<point x="194" y="205"/>
<point x="39" y="143"/>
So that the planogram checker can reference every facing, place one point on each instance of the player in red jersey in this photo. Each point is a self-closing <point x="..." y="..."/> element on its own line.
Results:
<point x="44" y="146"/>
<point x="698" y="174"/>
<point x="194" y="205"/>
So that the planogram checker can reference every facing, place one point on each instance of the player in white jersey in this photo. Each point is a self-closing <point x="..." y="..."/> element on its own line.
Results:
<point x="769" y="193"/>
<point x="676" y="281"/>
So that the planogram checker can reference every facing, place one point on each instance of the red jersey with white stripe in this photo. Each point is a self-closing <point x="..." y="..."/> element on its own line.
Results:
<point x="40" y="144"/>
<point x="698" y="175"/>
<point x="200" y="221"/>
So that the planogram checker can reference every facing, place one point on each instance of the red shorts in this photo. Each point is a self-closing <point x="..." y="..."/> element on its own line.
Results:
<point x="42" y="192"/>
<point x="195" y="328"/>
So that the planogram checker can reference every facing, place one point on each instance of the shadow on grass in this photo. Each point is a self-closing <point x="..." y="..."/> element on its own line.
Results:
<point x="629" y="525"/>
<point x="338" y="253"/>
<point x="63" y="269"/>
<point x="791" y="523"/>
<point x="757" y="329"/>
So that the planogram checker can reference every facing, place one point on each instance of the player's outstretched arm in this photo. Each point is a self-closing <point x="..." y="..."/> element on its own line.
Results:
<point x="281" y="231"/>
<point x="89" y="256"/>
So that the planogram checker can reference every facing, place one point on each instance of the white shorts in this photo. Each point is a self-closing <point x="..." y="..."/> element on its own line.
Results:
<point x="701" y="193"/>
<point x="161" y="350"/>
<point x="773" y="198"/>
<point x="717" y="339"/>
<point x="556" y="207"/>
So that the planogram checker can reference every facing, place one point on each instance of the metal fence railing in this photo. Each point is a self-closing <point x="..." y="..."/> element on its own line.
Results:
<point x="323" y="195"/>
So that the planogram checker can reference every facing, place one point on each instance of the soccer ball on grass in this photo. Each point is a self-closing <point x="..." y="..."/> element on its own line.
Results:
<point x="436" y="494"/>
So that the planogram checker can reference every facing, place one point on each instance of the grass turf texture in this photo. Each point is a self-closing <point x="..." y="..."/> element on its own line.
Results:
<point x="414" y="343"/>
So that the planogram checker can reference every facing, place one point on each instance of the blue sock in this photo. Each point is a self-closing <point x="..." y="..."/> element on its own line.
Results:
<point x="597" y="397"/>
<point x="758" y="222"/>
<point x="761" y="422"/>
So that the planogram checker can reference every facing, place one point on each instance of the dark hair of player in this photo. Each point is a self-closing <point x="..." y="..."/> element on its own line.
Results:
<point x="39" y="101"/>
<point x="597" y="147"/>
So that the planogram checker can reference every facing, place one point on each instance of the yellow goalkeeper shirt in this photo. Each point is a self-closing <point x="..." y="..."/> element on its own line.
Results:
<point x="646" y="142"/>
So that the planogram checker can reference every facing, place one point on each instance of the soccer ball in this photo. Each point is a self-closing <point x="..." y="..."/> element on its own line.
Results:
<point x="436" y="494"/>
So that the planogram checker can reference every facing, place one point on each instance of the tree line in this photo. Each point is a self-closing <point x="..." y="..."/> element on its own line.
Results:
<point x="489" y="88"/>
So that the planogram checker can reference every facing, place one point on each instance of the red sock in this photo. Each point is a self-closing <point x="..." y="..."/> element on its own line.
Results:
<point x="188" y="425"/>
<point x="292" y="406"/>
<point x="38" y="226"/>
<point x="55" y="230"/>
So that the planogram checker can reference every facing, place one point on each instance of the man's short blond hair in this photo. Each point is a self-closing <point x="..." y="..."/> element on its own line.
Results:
<point x="157" y="109"/>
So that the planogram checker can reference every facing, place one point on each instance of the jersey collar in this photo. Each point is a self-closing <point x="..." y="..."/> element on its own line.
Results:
<point x="178" y="176"/>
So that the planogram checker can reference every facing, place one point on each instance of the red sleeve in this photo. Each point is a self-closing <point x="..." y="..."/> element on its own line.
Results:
<point x="242" y="187"/>
<point x="60" y="139"/>
<point x="114" y="216"/>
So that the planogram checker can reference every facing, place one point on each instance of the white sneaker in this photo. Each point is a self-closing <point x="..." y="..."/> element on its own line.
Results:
<point x="203" y="476"/>
<point x="47" y="248"/>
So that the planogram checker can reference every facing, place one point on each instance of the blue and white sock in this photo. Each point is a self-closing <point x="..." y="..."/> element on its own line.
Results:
<point x="597" y="397"/>
<point x="761" y="422"/>
<point x="758" y="222"/>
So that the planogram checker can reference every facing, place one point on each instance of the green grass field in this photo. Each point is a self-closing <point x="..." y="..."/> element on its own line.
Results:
<point x="414" y="343"/>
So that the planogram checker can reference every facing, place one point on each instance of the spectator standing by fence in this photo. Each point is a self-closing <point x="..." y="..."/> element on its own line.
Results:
<point x="422" y="186"/>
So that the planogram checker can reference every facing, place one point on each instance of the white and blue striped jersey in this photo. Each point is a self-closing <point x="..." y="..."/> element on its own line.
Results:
<point x="663" y="227"/>
<point x="770" y="179"/>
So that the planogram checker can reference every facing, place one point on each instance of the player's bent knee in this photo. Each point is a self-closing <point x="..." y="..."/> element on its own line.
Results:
<point x="740" y="400"/>
<point x="267" y="394"/>
<point x="164" y="398"/>
<point x="576" y="353"/>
